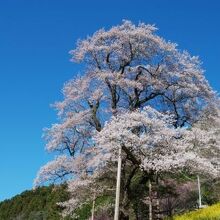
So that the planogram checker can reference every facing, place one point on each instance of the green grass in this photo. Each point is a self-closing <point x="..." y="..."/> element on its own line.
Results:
<point x="209" y="213"/>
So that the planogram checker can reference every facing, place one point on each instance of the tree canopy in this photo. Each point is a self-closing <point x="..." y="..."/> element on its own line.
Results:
<point x="138" y="91"/>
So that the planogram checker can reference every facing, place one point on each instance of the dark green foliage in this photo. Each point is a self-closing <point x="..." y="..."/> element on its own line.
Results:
<point x="38" y="204"/>
<point x="41" y="204"/>
<point x="210" y="192"/>
<point x="139" y="190"/>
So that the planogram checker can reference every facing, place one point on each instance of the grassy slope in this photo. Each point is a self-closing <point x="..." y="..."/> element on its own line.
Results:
<point x="209" y="213"/>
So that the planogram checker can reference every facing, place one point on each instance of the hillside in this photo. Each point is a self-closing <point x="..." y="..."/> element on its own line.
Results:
<point x="40" y="204"/>
<point x="36" y="204"/>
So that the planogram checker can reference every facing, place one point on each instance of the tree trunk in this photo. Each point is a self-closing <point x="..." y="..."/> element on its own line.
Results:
<point x="123" y="216"/>
<point x="158" y="208"/>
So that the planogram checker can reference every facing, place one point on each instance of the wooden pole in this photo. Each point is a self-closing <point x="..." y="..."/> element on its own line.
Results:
<point x="150" y="199"/>
<point x="93" y="208"/>
<point x="199" y="191"/>
<point x="117" y="197"/>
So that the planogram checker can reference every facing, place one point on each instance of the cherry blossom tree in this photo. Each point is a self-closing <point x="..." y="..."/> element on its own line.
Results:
<point x="151" y="143"/>
<point x="204" y="136"/>
<point x="156" y="147"/>
<point x="125" y="69"/>
<point x="83" y="190"/>
<point x="154" y="144"/>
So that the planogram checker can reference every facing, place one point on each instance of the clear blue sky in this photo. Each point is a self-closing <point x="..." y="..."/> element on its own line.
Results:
<point x="35" y="37"/>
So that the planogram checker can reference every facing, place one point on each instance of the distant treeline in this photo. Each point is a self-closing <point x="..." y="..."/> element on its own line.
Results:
<point x="38" y="204"/>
